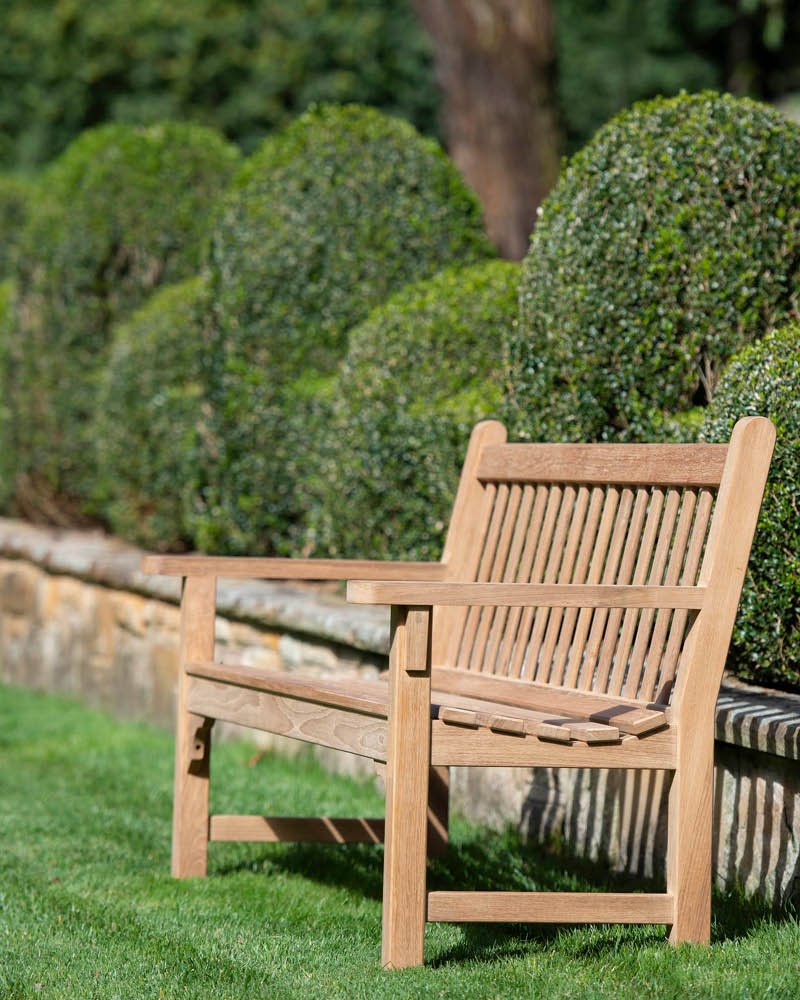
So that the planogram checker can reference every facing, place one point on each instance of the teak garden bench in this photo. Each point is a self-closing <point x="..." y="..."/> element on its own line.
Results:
<point x="580" y="617"/>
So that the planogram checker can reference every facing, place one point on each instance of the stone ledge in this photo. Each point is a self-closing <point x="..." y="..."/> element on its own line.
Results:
<point x="750" y="717"/>
<point x="759" y="719"/>
<point x="101" y="559"/>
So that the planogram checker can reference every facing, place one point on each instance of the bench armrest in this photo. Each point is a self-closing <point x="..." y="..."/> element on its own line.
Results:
<point x="544" y="595"/>
<point x="291" y="569"/>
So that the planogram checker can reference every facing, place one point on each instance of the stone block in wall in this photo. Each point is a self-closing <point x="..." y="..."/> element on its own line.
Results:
<point x="130" y="612"/>
<point x="758" y="848"/>
<point x="19" y="593"/>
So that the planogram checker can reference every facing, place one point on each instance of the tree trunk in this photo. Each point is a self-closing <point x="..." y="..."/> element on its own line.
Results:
<point x="494" y="62"/>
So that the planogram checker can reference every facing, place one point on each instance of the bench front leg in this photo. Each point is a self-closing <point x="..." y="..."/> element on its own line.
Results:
<point x="407" y="778"/>
<point x="192" y="734"/>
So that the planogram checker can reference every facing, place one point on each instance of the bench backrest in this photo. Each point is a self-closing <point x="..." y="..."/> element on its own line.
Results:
<point x="654" y="515"/>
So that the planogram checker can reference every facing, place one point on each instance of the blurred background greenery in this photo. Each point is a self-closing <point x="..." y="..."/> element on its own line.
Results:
<point x="246" y="307"/>
<point x="247" y="67"/>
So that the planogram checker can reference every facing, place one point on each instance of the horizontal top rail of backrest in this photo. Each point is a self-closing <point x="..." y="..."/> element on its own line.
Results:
<point x="689" y="465"/>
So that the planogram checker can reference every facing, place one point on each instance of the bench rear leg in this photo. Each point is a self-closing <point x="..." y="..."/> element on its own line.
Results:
<point x="438" y="811"/>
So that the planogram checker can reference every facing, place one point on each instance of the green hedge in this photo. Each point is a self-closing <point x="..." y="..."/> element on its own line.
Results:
<point x="419" y="372"/>
<point x="607" y="58"/>
<point x="8" y="449"/>
<point x="324" y="222"/>
<point x="123" y="211"/>
<point x="669" y="242"/>
<point x="148" y="418"/>
<point x="244" y="67"/>
<point x="764" y="380"/>
<point x="16" y="193"/>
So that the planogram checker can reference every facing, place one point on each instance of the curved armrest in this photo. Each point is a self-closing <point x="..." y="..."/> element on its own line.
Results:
<point x="543" y="595"/>
<point x="291" y="569"/>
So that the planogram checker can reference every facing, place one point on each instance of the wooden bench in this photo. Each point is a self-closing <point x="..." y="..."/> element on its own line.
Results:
<point x="580" y="617"/>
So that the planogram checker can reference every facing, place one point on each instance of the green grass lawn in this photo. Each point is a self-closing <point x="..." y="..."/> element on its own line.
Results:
<point x="87" y="907"/>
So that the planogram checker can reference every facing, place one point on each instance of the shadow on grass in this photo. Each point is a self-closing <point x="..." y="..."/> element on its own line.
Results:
<point x="489" y="861"/>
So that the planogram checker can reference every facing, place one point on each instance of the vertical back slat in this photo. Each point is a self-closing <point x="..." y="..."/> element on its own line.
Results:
<point x="537" y="528"/>
<point x="554" y="497"/>
<point x="652" y="661"/>
<point x="586" y="565"/>
<point x="484" y="569"/>
<point x="585" y="668"/>
<point x="554" y="558"/>
<point x="496" y="573"/>
<point x="680" y="619"/>
<point x="520" y="533"/>
<point x="627" y="680"/>
<point x="600" y="570"/>
<point x="565" y="573"/>
<point x="619" y="631"/>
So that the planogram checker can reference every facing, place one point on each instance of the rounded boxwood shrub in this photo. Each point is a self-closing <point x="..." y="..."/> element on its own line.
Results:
<point x="124" y="210"/>
<point x="325" y="221"/>
<point x="763" y="379"/>
<point x="149" y="415"/>
<point x="419" y="372"/>
<point x="15" y="194"/>
<point x="670" y="241"/>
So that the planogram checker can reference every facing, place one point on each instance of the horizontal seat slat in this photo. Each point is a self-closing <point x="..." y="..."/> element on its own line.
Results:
<point x="697" y="465"/>
<point x="371" y="698"/>
<point x="507" y="724"/>
<point x="626" y="715"/>
<point x="459" y="717"/>
<point x="368" y="697"/>
<point x="474" y="712"/>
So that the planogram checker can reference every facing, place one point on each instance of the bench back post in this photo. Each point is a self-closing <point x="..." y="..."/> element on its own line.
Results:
<point x="462" y="547"/>
<point x="724" y="564"/>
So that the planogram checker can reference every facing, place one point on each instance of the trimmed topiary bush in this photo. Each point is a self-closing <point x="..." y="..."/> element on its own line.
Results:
<point x="126" y="210"/>
<point x="149" y="414"/>
<point x="419" y="372"/>
<point x="670" y="241"/>
<point x="15" y="194"/>
<point x="764" y="380"/>
<point x="324" y="222"/>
